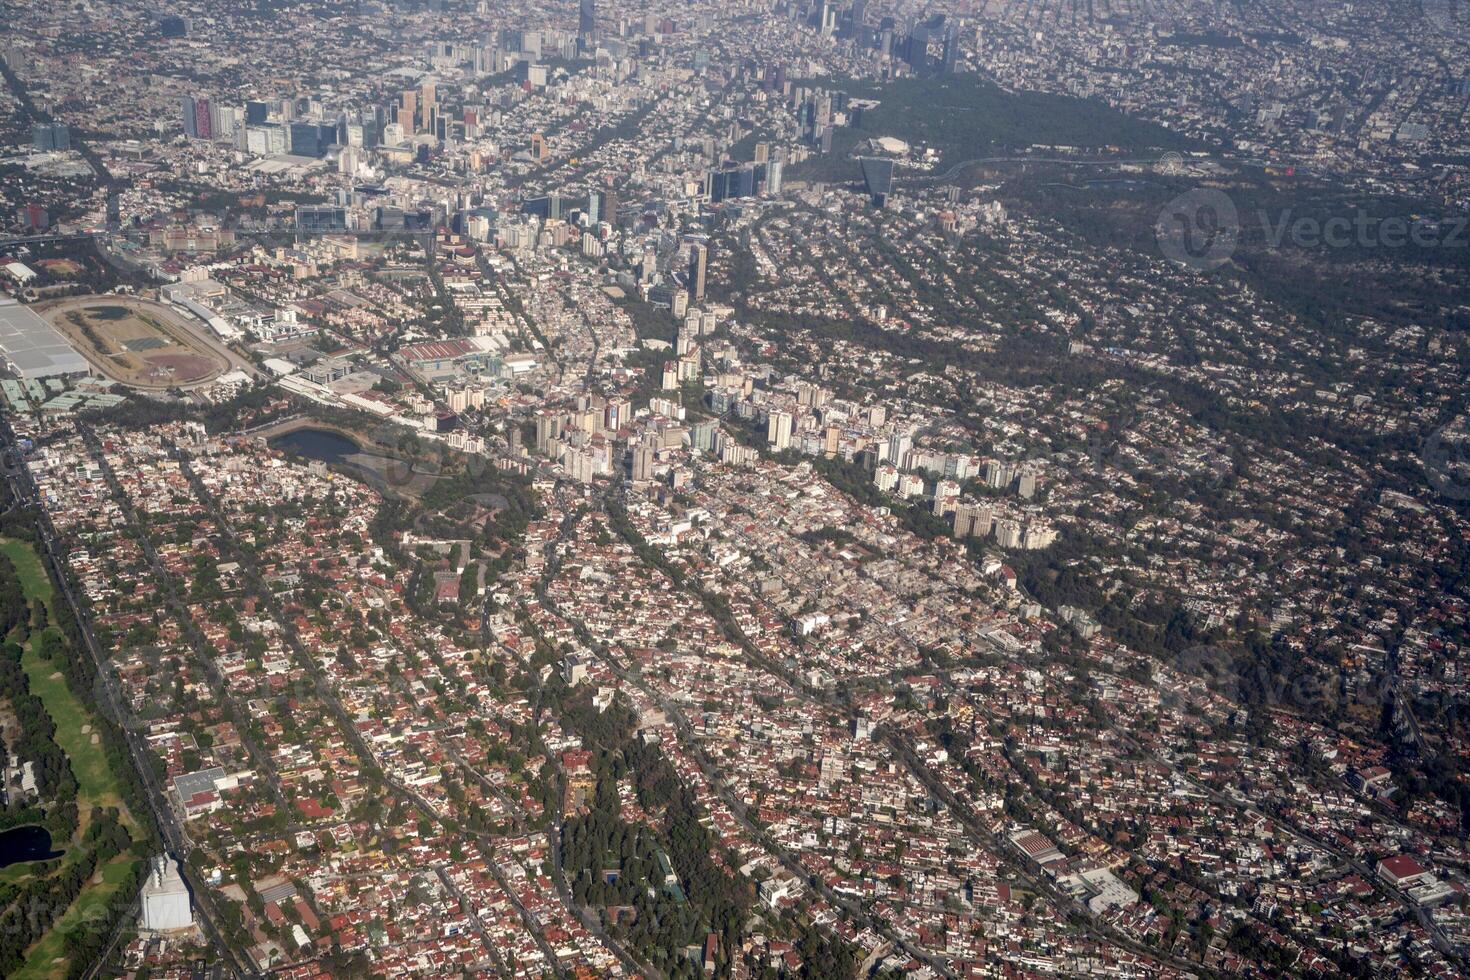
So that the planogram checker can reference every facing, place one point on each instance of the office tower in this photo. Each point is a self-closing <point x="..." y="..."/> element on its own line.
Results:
<point x="320" y="220"/>
<point x="224" y="120"/>
<point x="745" y="182"/>
<point x="608" y="206"/>
<point x="428" y="104"/>
<point x="190" y="116"/>
<point x="306" y="140"/>
<point x="203" y="120"/>
<point x="256" y="112"/>
<point x="773" y="177"/>
<point x="951" y="56"/>
<point x="587" y="19"/>
<point x="408" y="111"/>
<point x="878" y="179"/>
<point x="698" y="267"/>
<point x="778" y="430"/>
<point x="50" y="136"/>
<point x="547" y="207"/>
<point x="538" y="148"/>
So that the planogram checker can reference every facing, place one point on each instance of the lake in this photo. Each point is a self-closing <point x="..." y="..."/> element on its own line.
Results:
<point x="28" y="843"/>
<point x="383" y="471"/>
<point x="329" y="447"/>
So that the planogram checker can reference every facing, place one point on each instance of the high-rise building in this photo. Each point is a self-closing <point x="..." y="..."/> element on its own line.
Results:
<point x="951" y="56"/>
<point x="698" y="268"/>
<point x="1008" y="533"/>
<point x="778" y="430"/>
<point x="972" y="520"/>
<point x="408" y="111"/>
<point x="224" y="121"/>
<point x="32" y="217"/>
<point x="46" y="137"/>
<point x="310" y="139"/>
<point x="899" y="446"/>
<point x="831" y="440"/>
<point x="203" y="119"/>
<point x="618" y="413"/>
<point x="946" y="495"/>
<point x="190" y="116"/>
<point x="643" y="460"/>
<point x="702" y="435"/>
<point x="877" y="179"/>
<point x="829" y="19"/>
<point x="608" y="206"/>
<point x="428" y="104"/>
<point x="587" y="19"/>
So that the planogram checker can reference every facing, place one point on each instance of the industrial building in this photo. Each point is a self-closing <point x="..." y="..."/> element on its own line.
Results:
<point x="165" y="898"/>
<point x="32" y="348"/>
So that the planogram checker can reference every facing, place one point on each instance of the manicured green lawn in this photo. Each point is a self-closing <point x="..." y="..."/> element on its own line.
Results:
<point x="28" y="566"/>
<point x="85" y="913"/>
<point x="74" y="728"/>
<point x="97" y="784"/>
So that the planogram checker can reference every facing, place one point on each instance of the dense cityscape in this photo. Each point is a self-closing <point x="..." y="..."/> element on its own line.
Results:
<point x="798" y="489"/>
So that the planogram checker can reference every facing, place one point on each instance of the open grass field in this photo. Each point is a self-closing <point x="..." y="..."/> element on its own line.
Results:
<point x="47" y="958"/>
<point x="97" y="783"/>
<point x="74" y="724"/>
<point x="135" y="342"/>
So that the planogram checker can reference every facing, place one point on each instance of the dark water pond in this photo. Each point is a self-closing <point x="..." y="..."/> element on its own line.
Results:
<point x="28" y="843"/>
<point x="329" y="447"/>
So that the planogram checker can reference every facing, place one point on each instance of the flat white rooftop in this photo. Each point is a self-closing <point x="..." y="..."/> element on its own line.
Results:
<point x="32" y="347"/>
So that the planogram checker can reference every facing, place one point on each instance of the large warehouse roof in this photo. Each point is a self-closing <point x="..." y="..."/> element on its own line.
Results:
<point x="32" y="347"/>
